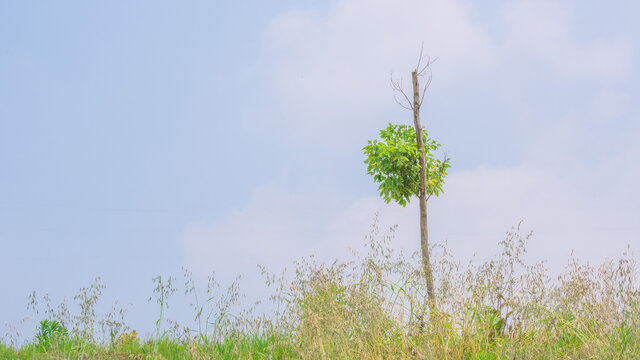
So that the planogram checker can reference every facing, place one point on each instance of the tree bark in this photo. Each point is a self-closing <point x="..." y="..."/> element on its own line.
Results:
<point x="424" y="233"/>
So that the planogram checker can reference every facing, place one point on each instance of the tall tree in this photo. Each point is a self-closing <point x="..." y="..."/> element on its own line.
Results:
<point x="405" y="166"/>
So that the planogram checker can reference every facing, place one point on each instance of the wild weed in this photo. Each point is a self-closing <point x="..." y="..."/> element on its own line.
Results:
<point x="375" y="307"/>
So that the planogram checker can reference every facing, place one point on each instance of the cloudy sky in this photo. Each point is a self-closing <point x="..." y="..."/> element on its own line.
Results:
<point x="137" y="138"/>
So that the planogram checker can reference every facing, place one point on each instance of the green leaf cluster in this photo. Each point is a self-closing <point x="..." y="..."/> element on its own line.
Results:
<point x="49" y="332"/>
<point x="394" y="162"/>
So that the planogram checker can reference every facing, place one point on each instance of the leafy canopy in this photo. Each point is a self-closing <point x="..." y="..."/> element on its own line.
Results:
<point x="394" y="162"/>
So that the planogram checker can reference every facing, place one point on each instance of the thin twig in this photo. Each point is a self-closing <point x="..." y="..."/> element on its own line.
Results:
<point x="429" y="78"/>
<point x="424" y="91"/>
<point x="420" y="58"/>
<point x="397" y="88"/>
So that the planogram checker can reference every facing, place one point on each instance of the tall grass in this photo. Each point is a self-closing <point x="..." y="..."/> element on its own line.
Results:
<point x="375" y="307"/>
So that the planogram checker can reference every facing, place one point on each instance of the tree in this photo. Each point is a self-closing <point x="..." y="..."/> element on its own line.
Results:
<point x="405" y="166"/>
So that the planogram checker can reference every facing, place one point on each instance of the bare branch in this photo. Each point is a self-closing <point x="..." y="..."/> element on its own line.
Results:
<point x="420" y="58"/>
<point x="400" y="103"/>
<point x="430" y="62"/>
<point x="426" y="86"/>
<point x="397" y="88"/>
<point x="420" y="70"/>
<point x="429" y="78"/>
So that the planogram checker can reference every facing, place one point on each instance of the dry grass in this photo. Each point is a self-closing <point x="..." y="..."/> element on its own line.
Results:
<point x="375" y="308"/>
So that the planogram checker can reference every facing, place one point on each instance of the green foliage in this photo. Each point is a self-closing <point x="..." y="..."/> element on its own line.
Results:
<point x="394" y="162"/>
<point x="7" y="352"/>
<point x="50" y="332"/>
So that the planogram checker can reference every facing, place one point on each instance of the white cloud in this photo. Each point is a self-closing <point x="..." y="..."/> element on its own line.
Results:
<point x="331" y="71"/>
<point x="277" y="227"/>
<point x="257" y="234"/>
<point x="544" y="28"/>
<point x="480" y="205"/>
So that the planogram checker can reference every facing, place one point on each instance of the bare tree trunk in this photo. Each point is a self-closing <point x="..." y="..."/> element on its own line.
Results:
<point x="424" y="233"/>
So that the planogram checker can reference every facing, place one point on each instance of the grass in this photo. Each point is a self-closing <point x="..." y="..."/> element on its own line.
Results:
<point x="374" y="307"/>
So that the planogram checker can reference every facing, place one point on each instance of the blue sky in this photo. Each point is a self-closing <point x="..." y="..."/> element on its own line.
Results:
<point x="139" y="138"/>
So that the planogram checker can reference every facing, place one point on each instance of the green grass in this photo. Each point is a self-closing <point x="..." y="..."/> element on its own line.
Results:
<point x="374" y="308"/>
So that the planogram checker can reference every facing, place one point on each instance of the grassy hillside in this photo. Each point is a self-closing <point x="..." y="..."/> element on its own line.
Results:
<point x="375" y="308"/>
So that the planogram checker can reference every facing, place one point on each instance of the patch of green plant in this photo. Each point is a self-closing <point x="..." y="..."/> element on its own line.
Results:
<point x="375" y="307"/>
<point x="51" y="332"/>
